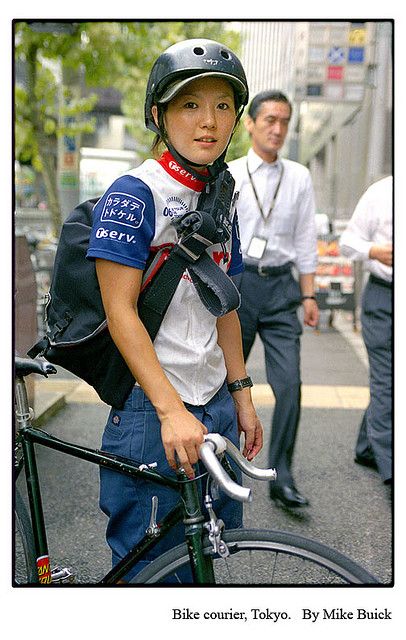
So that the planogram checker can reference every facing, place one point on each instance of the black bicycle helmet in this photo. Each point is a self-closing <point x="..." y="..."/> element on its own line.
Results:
<point x="183" y="62"/>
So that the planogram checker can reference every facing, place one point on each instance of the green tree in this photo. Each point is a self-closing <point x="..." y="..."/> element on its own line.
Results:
<point x="65" y="62"/>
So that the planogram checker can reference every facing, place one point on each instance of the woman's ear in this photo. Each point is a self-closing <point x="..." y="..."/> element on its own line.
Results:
<point x="154" y="111"/>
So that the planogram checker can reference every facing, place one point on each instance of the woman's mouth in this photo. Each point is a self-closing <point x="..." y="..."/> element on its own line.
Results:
<point x="206" y="140"/>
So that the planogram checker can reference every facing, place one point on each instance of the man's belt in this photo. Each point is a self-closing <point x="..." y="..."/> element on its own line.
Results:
<point x="268" y="271"/>
<point x="380" y="281"/>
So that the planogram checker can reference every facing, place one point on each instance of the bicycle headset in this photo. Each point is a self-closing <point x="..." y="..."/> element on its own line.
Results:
<point x="174" y="68"/>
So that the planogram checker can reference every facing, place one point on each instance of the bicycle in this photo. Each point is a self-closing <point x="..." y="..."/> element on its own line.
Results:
<point x="212" y="554"/>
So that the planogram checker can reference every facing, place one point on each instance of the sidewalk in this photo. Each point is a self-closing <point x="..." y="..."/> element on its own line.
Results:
<point x="326" y="383"/>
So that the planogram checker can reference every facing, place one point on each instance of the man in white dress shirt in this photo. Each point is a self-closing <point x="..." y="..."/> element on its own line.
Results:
<point x="276" y="213"/>
<point x="368" y="237"/>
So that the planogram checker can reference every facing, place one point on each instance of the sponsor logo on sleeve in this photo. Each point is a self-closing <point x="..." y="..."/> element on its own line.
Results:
<point x="118" y="236"/>
<point x="123" y="209"/>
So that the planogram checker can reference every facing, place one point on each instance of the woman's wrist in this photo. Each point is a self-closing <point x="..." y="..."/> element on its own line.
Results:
<point x="239" y="383"/>
<point x="242" y="399"/>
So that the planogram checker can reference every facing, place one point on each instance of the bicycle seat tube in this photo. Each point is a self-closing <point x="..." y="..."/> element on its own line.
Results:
<point x="201" y="565"/>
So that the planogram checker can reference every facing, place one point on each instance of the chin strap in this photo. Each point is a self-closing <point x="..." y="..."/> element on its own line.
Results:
<point x="213" y="169"/>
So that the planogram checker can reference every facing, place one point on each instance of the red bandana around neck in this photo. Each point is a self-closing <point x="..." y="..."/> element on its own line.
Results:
<point x="180" y="174"/>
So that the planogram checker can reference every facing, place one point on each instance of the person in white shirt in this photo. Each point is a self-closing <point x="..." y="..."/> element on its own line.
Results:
<point x="368" y="237"/>
<point x="276" y="211"/>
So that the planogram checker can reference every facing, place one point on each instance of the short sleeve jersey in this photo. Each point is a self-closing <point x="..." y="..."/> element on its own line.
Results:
<point x="132" y="218"/>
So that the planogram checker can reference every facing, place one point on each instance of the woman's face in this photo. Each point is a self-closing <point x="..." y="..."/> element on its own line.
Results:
<point x="200" y="119"/>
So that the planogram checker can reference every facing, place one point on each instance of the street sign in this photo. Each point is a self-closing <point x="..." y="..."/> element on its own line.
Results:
<point x="356" y="55"/>
<point x="357" y="37"/>
<point x="316" y="54"/>
<point x="334" y="91"/>
<point x="335" y="72"/>
<point x="336" y="55"/>
<point x="355" y="73"/>
<point x="354" y="92"/>
<point x="314" y="89"/>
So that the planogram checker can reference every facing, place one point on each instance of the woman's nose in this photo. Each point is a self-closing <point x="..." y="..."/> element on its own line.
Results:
<point x="208" y="118"/>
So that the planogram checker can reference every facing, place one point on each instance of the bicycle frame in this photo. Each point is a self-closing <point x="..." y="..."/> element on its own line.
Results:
<point x="188" y="509"/>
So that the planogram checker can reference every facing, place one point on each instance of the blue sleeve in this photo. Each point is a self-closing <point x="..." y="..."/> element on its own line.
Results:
<point x="236" y="265"/>
<point x="123" y="223"/>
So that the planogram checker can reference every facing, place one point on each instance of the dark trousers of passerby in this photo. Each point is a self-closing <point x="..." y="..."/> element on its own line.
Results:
<point x="375" y="435"/>
<point x="269" y="302"/>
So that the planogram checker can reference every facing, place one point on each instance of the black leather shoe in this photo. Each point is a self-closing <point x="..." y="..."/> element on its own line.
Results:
<point x="287" y="496"/>
<point x="366" y="462"/>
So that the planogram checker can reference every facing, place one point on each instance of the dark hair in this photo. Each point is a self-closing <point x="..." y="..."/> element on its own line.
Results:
<point x="266" y="96"/>
<point x="159" y="139"/>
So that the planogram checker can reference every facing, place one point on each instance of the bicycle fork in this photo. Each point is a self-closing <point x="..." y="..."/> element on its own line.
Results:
<point x="201" y="564"/>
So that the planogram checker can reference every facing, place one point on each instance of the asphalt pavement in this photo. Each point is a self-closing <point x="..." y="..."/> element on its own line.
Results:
<point x="350" y="508"/>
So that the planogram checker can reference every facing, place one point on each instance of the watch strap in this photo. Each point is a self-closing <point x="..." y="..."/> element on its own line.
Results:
<point x="240" y="384"/>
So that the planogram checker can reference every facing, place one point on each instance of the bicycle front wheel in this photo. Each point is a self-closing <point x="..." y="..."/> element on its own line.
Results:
<point x="265" y="557"/>
<point x="25" y="568"/>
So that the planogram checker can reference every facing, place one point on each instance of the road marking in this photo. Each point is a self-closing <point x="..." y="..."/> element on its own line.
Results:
<point x="313" y="396"/>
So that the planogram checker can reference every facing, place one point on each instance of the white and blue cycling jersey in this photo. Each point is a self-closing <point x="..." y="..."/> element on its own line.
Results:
<point x="133" y="218"/>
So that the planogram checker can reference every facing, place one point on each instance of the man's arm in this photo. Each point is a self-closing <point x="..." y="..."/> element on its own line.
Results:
<point x="356" y="242"/>
<point x="306" y="249"/>
<point x="310" y="308"/>
<point x="383" y="253"/>
<point x="229" y="339"/>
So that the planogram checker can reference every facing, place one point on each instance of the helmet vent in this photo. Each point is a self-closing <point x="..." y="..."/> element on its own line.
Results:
<point x="225" y="54"/>
<point x="199" y="51"/>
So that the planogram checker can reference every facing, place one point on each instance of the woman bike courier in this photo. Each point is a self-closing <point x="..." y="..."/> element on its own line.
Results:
<point x="195" y="96"/>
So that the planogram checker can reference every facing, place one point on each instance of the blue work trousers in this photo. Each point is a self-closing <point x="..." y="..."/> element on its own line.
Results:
<point x="135" y="432"/>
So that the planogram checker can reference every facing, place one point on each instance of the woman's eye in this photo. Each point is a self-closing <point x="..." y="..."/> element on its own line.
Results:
<point x="190" y="105"/>
<point x="223" y="105"/>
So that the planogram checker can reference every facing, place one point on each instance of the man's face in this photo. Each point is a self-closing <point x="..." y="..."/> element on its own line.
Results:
<point x="268" y="130"/>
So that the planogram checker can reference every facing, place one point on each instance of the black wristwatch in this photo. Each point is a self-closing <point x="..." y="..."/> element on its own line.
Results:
<point x="239" y="384"/>
<point x="308" y="297"/>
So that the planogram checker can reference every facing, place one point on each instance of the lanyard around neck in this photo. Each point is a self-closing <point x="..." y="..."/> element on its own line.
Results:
<point x="275" y="195"/>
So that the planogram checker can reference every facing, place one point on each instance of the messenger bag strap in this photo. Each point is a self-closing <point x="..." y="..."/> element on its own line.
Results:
<point x="215" y="288"/>
<point x="196" y="231"/>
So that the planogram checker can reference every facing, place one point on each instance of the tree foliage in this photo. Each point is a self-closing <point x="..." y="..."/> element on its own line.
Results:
<point x="64" y="63"/>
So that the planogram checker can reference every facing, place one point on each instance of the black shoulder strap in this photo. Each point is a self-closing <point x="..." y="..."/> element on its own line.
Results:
<point x="197" y="230"/>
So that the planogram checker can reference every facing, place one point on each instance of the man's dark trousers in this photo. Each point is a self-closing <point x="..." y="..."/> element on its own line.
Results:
<point x="375" y="435"/>
<point x="269" y="303"/>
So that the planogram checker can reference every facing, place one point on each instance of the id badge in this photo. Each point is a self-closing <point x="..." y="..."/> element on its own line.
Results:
<point x="257" y="247"/>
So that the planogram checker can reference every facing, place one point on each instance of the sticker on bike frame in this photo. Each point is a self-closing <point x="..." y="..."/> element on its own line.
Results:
<point x="44" y="570"/>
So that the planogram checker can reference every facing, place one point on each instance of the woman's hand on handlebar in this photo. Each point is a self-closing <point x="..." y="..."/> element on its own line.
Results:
<point x="182" y="434"/>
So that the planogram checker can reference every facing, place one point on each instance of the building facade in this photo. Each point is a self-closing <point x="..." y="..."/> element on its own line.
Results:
<point x="338" y="75"/>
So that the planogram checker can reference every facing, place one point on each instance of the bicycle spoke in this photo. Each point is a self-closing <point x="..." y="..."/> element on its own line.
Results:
<point x="274" y="568"/>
